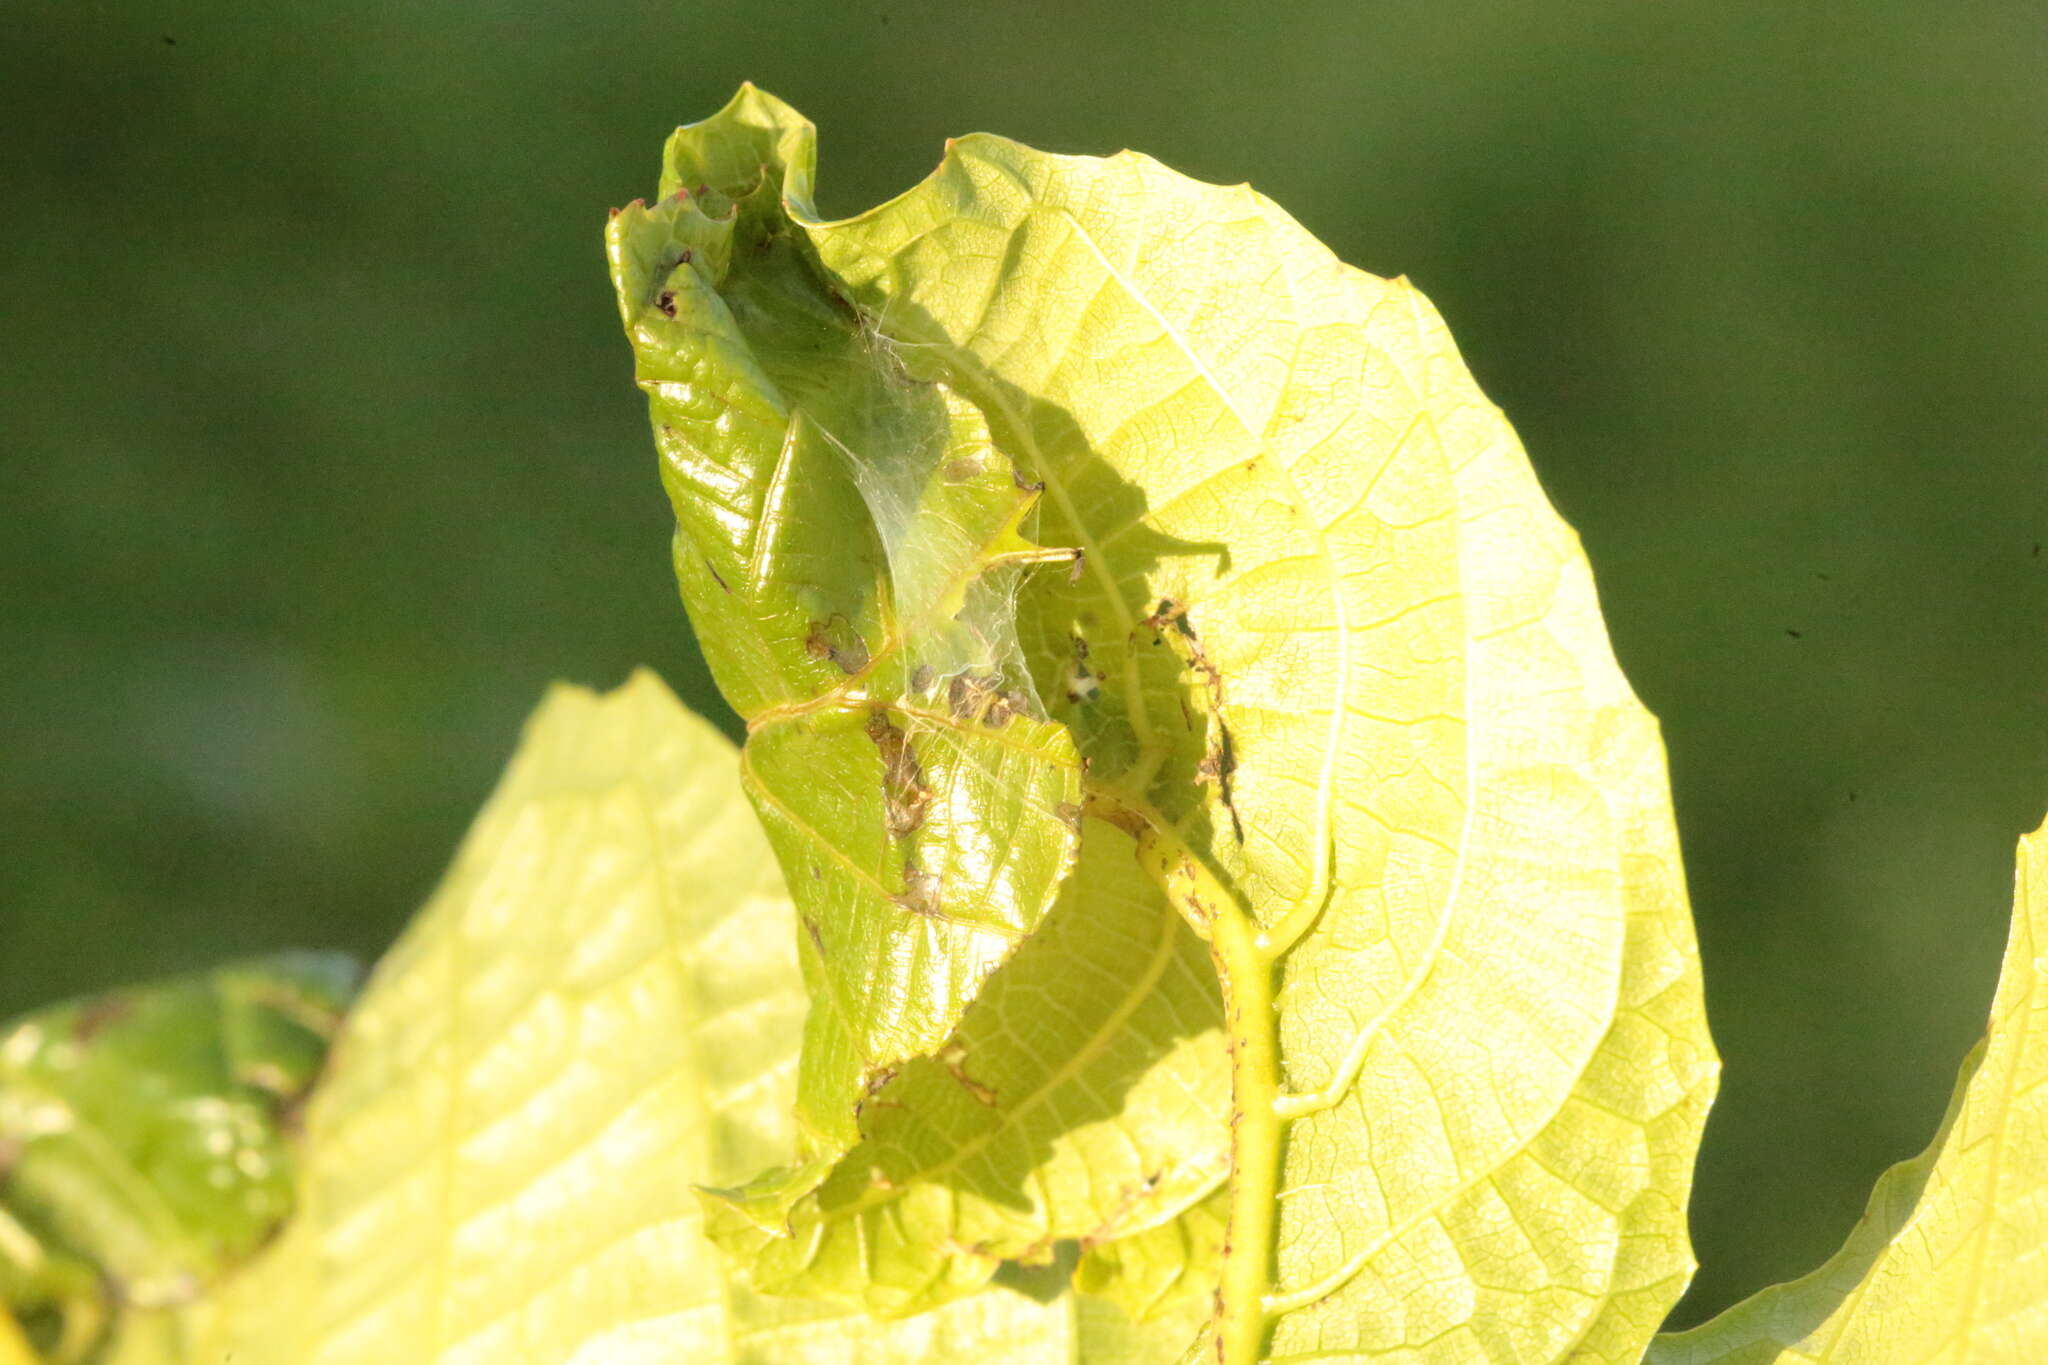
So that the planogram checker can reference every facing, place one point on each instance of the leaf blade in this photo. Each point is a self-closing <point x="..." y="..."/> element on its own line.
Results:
<point x="1946" y="1262"/>
<point x="1346" y="664"/>
<point x="595" y="1006"/>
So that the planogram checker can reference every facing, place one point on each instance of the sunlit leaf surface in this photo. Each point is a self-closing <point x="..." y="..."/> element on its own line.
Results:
<point x="1950" y="1261"/>
<point x="1148" y="638"/>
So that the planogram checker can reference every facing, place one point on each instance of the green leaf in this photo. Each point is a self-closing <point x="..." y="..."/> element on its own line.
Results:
<point x="144" y="1137"/>
<point x="1084" y="1095"/>
<point x="849" y="543"/>
<point x="1950" y="1260"/>
<point x="1335" y="662"/>
<point x="599" y="1007"/>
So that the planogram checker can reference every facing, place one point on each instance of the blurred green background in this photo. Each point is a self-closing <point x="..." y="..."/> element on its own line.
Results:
<point x="321" y="454"/>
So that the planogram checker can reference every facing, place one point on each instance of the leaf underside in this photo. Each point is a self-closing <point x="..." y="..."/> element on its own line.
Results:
<point x="1328" y="652"/>
<point x="1950" y="1260"/>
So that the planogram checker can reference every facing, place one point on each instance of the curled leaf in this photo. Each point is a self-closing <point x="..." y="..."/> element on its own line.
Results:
<point x="145" y="1138"/>
<point x="849" y="543"/>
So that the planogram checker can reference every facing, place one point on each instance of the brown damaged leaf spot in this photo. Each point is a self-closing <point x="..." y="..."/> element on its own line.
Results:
<point x="967" y="694"/>
<point x="1069" y="814"/>
<point x="1167" y="613"/>
<point x="954" y="1058"/>
<point x="963" y="470"/>
<point x="834" y="638"/>
<point x="1120" y="815"/>
<point x="1220" y="761"/>
<point x="1083" y="684"/>
<point x="871" y="1088"/>
<point x="981" y="697"/>
<point x="905" y="796"/>
<point x="920" y="891"/>
<point x="1183" y="885"/>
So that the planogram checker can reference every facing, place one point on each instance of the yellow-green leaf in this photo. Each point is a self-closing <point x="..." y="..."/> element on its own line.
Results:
<point x="598" y="1007"/>
<point x="1335" y="660"/>
<point x="1950" y="1261"/>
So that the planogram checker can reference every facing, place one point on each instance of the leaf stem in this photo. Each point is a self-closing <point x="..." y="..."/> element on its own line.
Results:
<point x="1247" y="977"/>
<point x="1246" y="968"/>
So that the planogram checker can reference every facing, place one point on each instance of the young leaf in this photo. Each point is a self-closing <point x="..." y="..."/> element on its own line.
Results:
<point x="144" y="1138"/>
<point x="599" y="1007"/>
<point x="848" y="545"/>
<point x="1336" y="663"/>
<point x="1950" y="1260"/>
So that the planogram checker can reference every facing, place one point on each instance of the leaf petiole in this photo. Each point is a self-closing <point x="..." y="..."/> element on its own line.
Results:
<point x="1243" y="1314"/>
